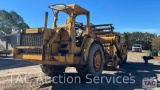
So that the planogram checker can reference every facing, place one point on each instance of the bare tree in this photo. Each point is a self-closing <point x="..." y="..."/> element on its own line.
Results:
<point x="156" y="43"/>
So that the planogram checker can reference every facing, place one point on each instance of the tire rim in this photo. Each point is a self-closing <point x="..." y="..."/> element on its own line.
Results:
<point x="97" y="61"/>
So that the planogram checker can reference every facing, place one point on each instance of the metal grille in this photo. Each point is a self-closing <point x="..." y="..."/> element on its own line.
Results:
<point x="32" y="40"/>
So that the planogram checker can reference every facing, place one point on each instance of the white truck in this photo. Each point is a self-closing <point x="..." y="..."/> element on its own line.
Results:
<point x="137" y="48"/>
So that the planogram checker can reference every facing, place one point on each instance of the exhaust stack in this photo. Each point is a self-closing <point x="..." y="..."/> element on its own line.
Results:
<point x="46" y="20"/>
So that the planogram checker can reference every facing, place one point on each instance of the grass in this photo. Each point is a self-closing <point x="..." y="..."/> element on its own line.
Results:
<point x="144" y="51"/>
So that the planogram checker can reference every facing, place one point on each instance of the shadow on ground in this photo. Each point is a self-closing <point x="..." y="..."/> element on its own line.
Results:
<point x="134" y="71"/>
<point x="10" y="63"/>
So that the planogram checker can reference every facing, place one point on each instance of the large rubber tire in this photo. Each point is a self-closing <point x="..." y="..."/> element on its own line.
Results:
<point x="94" y="53"/>
<point x="51" y="70"/>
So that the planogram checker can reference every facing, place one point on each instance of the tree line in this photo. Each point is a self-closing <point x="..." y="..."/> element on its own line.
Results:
<point x="11" y="19"/>
<point x="147" y="40"/>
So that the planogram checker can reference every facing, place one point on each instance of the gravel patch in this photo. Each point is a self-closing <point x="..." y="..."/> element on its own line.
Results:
<point x="23" y="75"/>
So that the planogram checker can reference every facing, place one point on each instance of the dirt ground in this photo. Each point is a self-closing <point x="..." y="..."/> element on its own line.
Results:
<point x="23" y="75"/>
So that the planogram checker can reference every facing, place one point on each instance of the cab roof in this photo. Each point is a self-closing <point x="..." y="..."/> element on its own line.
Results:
<point x="77" y="9"/>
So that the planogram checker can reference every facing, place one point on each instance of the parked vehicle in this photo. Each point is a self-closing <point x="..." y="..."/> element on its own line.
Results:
<point x="4" y="51"/>
<point x="137" y="48"/>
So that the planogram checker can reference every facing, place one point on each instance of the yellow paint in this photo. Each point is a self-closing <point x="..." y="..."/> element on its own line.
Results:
<point x="29" y="56"/>
<point x="33" y="30"/>
<point x="65" y="35"/>
<point x="70" y="58"/>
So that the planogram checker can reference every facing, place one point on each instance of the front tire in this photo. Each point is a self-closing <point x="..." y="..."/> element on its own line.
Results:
<point x="95" y="62"/>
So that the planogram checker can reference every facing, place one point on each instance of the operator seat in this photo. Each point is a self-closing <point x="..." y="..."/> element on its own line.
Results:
<point x="79" y="31"/>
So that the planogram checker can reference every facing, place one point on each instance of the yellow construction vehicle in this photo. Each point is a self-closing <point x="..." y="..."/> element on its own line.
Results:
<point x="88" y="47"/>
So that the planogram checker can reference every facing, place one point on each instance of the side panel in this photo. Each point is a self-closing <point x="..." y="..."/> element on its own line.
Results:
<point x="54" y="41"/>
<point x="29" y="56"/>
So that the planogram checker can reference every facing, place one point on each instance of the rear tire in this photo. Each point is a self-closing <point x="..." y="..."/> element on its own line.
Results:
<point x="95" y="62"/>
<point x="51" y="70"/>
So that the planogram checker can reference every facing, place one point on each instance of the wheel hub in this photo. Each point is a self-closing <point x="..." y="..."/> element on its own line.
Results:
<point x="97" y="61"/>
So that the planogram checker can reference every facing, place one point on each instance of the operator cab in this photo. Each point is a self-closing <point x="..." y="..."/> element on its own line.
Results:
<point x="74" y="25"/>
